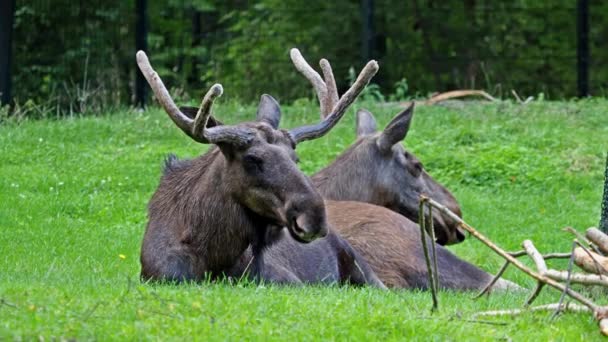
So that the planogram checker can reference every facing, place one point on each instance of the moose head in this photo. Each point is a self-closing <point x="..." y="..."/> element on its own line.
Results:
<point x="387" y="174"/>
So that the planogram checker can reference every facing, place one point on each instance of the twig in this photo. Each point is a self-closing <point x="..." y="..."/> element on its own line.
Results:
<point x="549" y="307"/>
<point x="575" y="295"/>
<point x="10" y="305"/>
<point x="563" y="296"/>
<point x="430" y="227"/>
<point x="578" y="278"/>
<point x="545" y="256"/>
<point x="487" y="288"/>
<point x="516" y="96"/>
<point x="580" y="237"/>
<point x="539" y="287"/>
<point x="422" y="219"/>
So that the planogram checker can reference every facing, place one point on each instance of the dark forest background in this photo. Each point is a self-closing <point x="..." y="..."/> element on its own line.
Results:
<point x="78" y="56"/>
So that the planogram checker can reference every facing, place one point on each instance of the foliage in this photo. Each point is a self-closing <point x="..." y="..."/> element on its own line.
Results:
<point x="74" y="196"/>
<point x="78" y="57"/>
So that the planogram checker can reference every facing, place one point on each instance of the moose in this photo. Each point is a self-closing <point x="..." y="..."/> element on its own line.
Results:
<point x="377" y="169"/>
<point x="243" y="191"/>
<point x="389" y="242"/>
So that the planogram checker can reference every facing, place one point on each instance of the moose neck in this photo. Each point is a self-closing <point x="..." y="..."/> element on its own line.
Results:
<point x="216" y="227"/>
<point x="340" y="181"/>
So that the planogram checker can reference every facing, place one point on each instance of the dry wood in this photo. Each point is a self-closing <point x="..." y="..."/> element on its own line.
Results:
<point x="533" y="253"/>
<point x="547" y="307"/>
<point x="579" y="278"/>
<point x="598" y="238"/>
<point x="573" y="294"/>
<point x="423" y="231"/>
<point x="458" y="93"/>
<point x="487" y="288"/>
<point x="590" y="262"/>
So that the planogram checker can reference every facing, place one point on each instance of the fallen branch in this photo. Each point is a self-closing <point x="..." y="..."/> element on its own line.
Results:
<point x="598" y="238"/>
<point x="578" y="278"/>
<point x="456" y="94"/>
<point x="547" y="307"/>
<point x="545" y="256"/>
<point x="600" y="312"/>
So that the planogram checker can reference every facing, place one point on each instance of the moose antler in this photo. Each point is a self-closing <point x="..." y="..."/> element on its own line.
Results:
<point x="195" y="128"/>
<point x="332" y="106"/>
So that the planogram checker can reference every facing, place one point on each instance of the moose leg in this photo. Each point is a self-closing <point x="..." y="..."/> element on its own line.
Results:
<point x="353" y="267"/>
<point x="176" y="266"/>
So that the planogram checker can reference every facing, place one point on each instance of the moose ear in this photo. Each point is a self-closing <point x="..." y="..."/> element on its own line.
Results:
<point x="269" y="111"/>
<point x="366" y="124"/>
<point x="192" y="111"/>
<point x="396" y="130"/>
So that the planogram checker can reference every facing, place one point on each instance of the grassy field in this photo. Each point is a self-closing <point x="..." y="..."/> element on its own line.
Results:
<point x="73" y="197"/>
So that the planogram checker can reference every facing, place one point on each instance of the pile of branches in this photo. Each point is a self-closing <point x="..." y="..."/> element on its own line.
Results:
<point x="589" y="253"/>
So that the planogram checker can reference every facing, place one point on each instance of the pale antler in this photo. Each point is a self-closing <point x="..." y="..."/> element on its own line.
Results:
<point x="328" y="95"/>
<point x="195" y="128"/>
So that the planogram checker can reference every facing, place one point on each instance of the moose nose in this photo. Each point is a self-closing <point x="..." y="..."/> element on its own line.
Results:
<point x="305" y="231"/>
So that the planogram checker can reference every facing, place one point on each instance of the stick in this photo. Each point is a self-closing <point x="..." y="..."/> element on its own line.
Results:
<point x="545" y="256"/>
<point x="550" y="307"/>
<point x="487" y="288"/>
<point x="569" y="276"/>
<point x="573" y="294"/>
<point x="431" y="230"/>
<point x="578" y="278"/>
<point x="458" y="93"/>
<point x="580" y="237"/>
<point x="422" y="219"/>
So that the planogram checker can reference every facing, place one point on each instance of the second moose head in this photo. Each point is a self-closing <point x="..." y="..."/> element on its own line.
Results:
<point x="387" y="175"/>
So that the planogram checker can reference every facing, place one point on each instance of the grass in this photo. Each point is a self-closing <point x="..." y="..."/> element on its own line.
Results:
<point x="73" y="197"/>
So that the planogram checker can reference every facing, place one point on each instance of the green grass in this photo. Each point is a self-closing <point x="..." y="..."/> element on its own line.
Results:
<point x="73" y="197"/>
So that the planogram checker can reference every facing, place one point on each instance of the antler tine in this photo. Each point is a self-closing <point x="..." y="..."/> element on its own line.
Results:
<point x="332" y="97"/>
<point x="300" y="134"/>
<point x="196" y="129"/>
<point x="313" y="77"/>
<point x="180" y="119"/>
<point x="204" y="111"/>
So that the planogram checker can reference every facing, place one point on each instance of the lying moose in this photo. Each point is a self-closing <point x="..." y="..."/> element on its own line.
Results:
<point x="376" y="169"/>
<point x="242" y="192"/>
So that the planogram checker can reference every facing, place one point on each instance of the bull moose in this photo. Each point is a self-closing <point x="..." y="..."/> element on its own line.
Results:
<point x="242" y="192"/>
<point x="376" y="169"/>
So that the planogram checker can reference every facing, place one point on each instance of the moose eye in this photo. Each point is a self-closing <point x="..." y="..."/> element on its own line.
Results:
<point x="253" y="163"/>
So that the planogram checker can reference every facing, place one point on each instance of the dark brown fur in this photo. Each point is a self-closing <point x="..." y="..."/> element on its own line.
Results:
<point x="392" y="247"/>
<point x="376" y="169"/>
<point x="206" y="211"/>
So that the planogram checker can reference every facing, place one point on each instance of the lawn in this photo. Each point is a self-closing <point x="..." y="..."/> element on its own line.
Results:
<point x="73" y="195"/>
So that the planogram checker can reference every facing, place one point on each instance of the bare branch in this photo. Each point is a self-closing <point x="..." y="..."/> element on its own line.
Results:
<point x="573" y="294"/>
<point x="547" y="307"/>
<point x="458" y="93"/>
<point x="487" y="288"/>
<point x="423" y="231"/>
<point x="541" y="266"/>
<point x="578" y="278"/>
